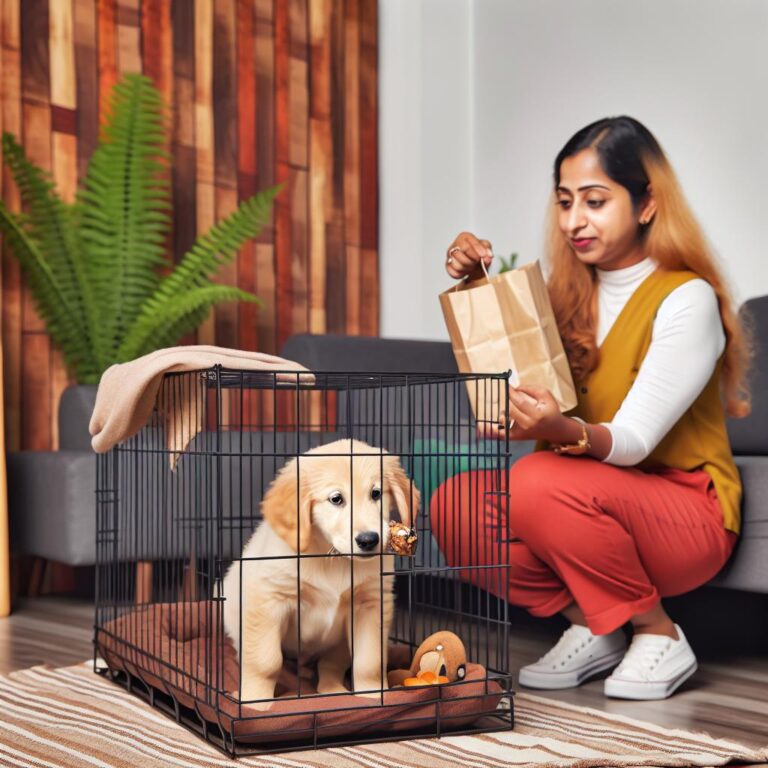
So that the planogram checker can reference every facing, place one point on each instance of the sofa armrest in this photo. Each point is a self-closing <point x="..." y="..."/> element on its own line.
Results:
<point x="52" y="505"/>
<point x="747" y="568"/>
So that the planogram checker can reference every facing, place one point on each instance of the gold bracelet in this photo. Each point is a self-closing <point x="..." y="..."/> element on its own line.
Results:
<point x="575" y="449"/>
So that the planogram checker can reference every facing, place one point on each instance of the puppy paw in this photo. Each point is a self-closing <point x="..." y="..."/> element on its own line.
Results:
<point x="257" y="690"/>
<point x="331" y="687"/>
<point x="373" y="695"/>
<point x="372" y="686"/>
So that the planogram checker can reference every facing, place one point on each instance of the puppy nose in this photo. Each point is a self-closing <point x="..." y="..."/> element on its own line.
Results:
<point x="367" y="540"/>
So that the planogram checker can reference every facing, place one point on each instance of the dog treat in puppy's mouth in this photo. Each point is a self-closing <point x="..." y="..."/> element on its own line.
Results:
<point x="402" y="538"/>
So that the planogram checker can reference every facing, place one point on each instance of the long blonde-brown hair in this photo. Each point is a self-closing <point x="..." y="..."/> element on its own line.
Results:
<point x="630" y="155"/>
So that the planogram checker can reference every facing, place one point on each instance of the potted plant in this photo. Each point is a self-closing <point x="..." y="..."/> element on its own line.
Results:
<point x="507" y="265"/>
<point x="95" y="267"/>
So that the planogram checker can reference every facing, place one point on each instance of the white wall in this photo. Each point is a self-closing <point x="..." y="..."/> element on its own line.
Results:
<point x="425" y="164"/>
<point x="519" y="78"/>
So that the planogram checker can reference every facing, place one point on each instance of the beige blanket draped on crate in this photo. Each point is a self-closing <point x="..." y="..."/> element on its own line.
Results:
<point x="129" y="391"/>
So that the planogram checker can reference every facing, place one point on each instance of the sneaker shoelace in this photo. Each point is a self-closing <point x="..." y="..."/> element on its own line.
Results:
<point x="644" y="655"/>
<point x="568" y="645"/>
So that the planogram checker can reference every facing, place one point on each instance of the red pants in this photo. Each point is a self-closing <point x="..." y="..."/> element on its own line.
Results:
<point x="611" y="539"/>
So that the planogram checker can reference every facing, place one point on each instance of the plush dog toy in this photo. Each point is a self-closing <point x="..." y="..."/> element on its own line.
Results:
<point x="441" y="658"/>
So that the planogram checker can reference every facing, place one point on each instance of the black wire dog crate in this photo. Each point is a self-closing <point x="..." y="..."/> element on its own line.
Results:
<point x="319" y="627"/>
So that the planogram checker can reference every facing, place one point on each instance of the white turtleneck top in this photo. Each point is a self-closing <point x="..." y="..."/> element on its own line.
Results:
<point x="686" y="342"/>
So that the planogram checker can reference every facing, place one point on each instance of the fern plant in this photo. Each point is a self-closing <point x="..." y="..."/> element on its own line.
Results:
<point x="95" y="267"/>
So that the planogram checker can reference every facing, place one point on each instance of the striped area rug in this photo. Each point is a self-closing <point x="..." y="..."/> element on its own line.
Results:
<point x="71" y="717"/>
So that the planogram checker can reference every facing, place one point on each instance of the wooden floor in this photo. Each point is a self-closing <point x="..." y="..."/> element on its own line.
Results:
<point x="728" y="697"/>
<point x="55" y="631"/>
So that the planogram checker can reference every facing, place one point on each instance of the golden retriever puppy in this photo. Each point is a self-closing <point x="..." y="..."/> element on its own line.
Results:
<point x="336" y="609"/>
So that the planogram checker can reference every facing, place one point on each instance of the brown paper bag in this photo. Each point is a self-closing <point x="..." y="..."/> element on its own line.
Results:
<point x="505" y="323"/>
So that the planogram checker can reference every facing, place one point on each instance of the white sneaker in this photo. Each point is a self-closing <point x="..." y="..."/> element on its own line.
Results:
<point x="653" y="668"/>
<point x="577" y="655"/>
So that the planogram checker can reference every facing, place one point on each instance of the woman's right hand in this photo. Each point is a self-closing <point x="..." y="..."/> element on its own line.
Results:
<point x="464" y="254"/>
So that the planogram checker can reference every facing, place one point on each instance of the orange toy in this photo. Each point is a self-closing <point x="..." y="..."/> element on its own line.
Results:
<point x="426" y="678"/>
<point x="440" y="659"/>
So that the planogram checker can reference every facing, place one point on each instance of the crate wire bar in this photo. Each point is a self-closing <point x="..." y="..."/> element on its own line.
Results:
<point x="177" y="503"/>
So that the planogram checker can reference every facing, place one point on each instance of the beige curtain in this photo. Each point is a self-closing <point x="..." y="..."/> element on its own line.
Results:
<point x="5" y="566"/>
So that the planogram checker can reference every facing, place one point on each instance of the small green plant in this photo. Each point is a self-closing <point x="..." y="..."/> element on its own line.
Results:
<point x="507" y="265"/>
<point x="95" y="267"/>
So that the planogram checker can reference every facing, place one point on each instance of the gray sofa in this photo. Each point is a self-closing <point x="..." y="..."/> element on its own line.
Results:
<point x="51" y="495"/>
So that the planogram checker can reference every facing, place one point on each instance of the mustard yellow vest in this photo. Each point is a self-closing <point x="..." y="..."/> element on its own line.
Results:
<point x="699" y="439"/>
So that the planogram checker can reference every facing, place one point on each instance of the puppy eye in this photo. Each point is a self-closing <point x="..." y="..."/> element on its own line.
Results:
<point x="336" y="498"/>
<point x="376" y="494"/>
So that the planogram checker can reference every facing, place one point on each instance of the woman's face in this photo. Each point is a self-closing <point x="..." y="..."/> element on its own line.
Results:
<point x="596" y="216"/>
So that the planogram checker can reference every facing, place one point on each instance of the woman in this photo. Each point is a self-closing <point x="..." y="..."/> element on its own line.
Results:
<point x="640" y="497"/>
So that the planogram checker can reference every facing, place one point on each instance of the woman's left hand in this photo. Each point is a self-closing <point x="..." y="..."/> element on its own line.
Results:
<point x="535" y="415"/>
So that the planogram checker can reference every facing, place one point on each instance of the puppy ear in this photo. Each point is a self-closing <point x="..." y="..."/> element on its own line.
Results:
<point x="407" y="496"/>
<point x="287" y="507"/>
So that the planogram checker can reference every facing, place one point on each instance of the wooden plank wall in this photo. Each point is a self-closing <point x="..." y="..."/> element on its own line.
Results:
<point x="260" y="91"/>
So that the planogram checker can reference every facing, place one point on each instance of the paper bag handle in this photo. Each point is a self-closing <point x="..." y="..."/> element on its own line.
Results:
<point x="485" y="269"/>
